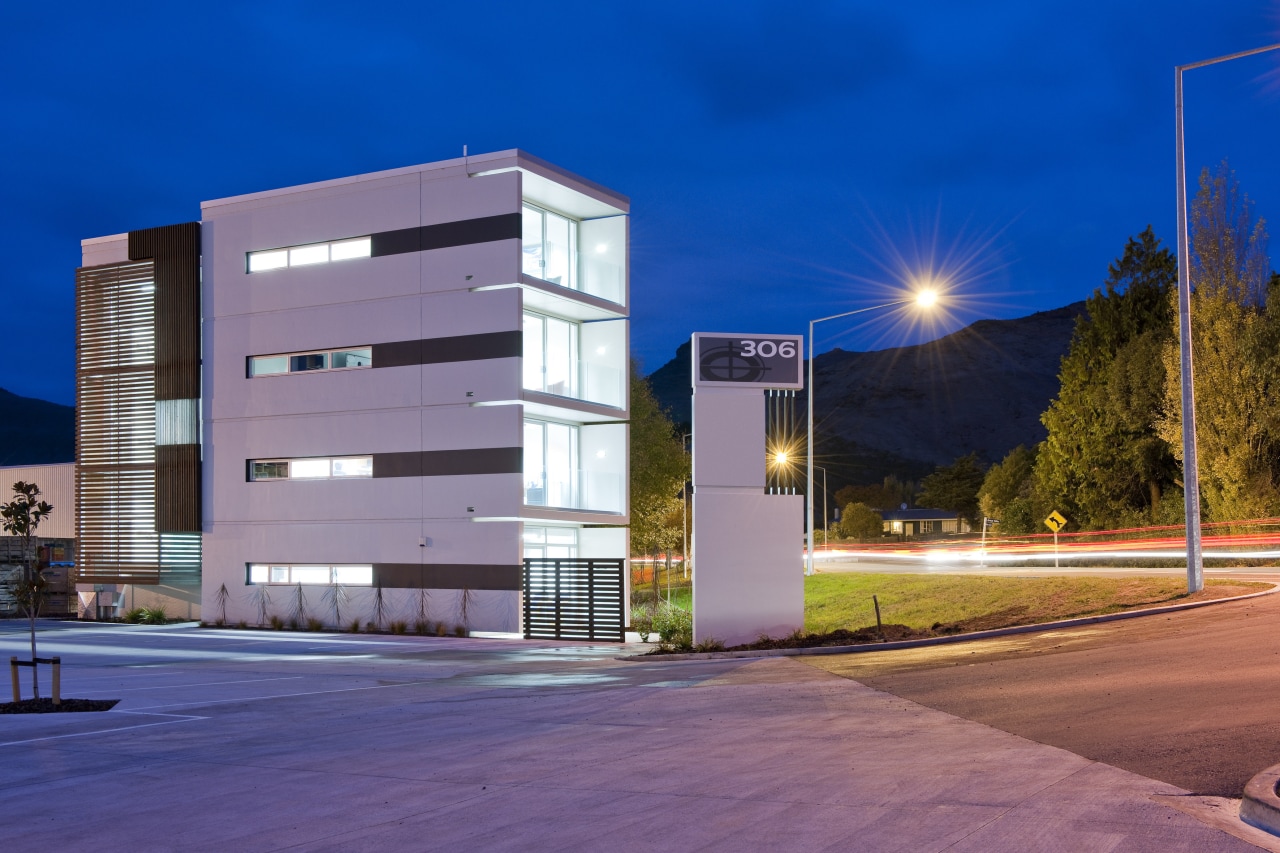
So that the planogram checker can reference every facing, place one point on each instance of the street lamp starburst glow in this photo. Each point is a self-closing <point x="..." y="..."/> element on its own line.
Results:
<point x="925" y="298"/>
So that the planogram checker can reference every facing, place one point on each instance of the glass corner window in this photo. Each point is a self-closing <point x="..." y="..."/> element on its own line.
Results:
<point x="550" y="246"/>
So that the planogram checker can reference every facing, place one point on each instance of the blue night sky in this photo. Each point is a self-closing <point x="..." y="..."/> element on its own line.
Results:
<point x="785" y="161"/>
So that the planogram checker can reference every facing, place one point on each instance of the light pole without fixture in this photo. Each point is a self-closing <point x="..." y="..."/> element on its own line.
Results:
<point x="924" y="298"/>
<point x="1190" y="462"/>
<point x="826" y="516"/>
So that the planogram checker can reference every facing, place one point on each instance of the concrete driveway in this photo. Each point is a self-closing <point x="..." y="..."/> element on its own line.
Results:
<point x="262" y="741"/>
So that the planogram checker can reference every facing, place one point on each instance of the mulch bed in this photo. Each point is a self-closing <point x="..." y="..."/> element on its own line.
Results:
<point x="46" y="706"/>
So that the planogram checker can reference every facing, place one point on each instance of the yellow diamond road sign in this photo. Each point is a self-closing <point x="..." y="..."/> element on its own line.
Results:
<point x="1056" y="521"/>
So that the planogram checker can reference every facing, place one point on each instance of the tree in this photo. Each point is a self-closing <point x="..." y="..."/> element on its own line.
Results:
<point x="21" y="516"/>
<point x="1104" y="463"/>
<point x="954" y="487"/>
<point x="1235" y="330"/>
<point x="861" y="522"/>
<point x="659" y="471"/>
<point x="1007" y="490"/>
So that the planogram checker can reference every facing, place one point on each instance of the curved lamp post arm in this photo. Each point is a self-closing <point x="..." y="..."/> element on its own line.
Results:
<point x="808" y="494"/>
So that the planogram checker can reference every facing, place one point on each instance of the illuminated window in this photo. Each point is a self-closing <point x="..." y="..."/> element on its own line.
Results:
<point x="550" y="355"/>
<point x="550" y="244"/>
<point x="550" y="464"/>
<point x="270" y="573"/>
<point x="312" y="253"/>
<point x="307" y="362"/>
<point x="311" y="468"/>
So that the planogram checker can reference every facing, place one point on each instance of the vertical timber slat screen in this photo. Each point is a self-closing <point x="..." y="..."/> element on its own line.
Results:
<point x="574" y="599"/>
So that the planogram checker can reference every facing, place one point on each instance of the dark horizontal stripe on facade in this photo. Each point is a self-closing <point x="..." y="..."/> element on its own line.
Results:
<point x="485" y="229"/>
<point x="449" y="463"/>
<point x="446" y="576"/>
<point x="444" y="350"/>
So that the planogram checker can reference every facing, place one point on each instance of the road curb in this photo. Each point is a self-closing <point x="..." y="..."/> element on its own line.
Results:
<point x="1260" y="806"/>
<point x="953" y="638"/>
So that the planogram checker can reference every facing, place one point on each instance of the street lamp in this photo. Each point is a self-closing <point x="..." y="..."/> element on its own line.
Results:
<point x="925" y="298"/>
<point x="1190" y="463"/>
<point x="826" y="516"/>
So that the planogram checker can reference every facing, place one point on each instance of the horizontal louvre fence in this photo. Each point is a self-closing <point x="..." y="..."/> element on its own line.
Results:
<point x="574" y="599"/>
<point x="116" y="424"/>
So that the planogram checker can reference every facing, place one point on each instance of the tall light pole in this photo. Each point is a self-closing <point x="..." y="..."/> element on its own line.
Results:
<point x="924" y="298"/>
<point x="826" y="516"/>
<point x="1190" y="462"/>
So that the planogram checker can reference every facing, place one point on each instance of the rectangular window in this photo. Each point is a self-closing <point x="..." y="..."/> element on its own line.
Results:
<point x="307" y="362"/>
<point x="265" y="573"/>
<point x="550" y="464"/>
<point x="550" y="244"/>
<point x="313" y="253"/>
<point x="311" y="361"/>
<point x="551" y="355"/>
<point x="550" y="541"/>
<point x="311" y="468"/>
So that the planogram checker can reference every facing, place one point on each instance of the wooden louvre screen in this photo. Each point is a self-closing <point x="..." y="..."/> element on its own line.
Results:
<point x="115" y="424"/>
<point x="574" y="599"/>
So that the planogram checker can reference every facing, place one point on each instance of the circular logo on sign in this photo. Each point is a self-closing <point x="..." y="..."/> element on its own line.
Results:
<point x="726" y="363"/>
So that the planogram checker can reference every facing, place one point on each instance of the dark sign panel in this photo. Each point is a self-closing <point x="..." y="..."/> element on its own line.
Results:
<point x="748" y="361"/>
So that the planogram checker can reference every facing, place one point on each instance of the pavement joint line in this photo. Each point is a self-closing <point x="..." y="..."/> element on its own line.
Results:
<point x="864" y="648"/>
<point x="281" y="696"/>
<point x="180" y="719"/>
<point x="198" y="684"/>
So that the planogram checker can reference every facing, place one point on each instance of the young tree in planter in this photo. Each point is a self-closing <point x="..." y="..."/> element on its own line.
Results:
<point x="21" y="516"/>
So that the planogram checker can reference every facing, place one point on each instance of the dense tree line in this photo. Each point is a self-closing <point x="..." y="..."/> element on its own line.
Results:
<point x="1112" y="457"/>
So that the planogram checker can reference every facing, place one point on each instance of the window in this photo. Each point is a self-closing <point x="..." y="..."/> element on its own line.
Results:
<point x="550" y="541"/>
<point x="267" y="573"/>
<point x="305" y="362"/>
<point x="315" y="253"/>
<point x="550" y="243"/>
<point x="550" y="355"/>
<point x="550" y="464"/>
<point x="312" y="468"/>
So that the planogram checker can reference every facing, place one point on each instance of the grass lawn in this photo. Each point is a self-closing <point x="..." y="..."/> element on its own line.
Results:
<point x="956" y="603"/>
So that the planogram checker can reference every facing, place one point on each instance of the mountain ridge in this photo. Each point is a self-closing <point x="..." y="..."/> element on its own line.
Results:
<point x="905" y="410"/>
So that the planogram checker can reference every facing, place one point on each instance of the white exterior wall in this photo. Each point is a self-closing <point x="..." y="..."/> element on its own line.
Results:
<point x="460" y="290"/>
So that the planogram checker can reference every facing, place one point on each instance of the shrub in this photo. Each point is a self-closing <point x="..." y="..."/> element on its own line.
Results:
<point x="242" y="624"/>
<point x="423" y="627"/>
<point x="398" y="627"/>
<point x="154" y="615"/>
<point x="642" y="622"/>
<point x="459" y="630"/>
<point x="354" y="627"/>
<point x="277" y="624"/>
<point x="674" y="626"/>
<point x="134" y="616"/>
<point x="293" y="623"/>
<point x="314" y="624"/>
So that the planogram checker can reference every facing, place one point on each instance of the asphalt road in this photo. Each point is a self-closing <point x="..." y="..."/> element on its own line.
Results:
<point x="1189" y="698"/>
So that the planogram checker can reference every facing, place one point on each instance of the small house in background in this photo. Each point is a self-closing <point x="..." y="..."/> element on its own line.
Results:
<point x="923" y="522"/>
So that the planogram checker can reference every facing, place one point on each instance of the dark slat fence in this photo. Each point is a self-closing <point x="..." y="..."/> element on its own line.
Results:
<point x="574" y="599"/>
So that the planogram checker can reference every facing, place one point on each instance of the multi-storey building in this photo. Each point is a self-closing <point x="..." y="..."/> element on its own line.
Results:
<point x="384" y="388"/>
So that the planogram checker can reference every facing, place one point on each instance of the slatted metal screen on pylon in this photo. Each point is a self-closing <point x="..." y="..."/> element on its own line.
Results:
<point x="574" y="598"/>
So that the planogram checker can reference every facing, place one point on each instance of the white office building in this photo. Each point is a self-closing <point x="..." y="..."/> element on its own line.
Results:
<point x="369" y="398"/>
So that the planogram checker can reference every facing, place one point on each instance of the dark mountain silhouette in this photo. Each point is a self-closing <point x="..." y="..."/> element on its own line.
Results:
<point x="905" y="410"/>
<point x="35" y="432"/>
